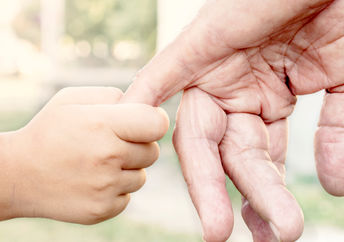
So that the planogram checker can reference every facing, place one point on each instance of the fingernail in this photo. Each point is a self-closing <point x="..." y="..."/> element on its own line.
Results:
<point x="275" y="231"/>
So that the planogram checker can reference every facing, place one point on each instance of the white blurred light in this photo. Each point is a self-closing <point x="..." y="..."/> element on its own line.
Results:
<point x="8" y="62"/>
<point x="100" y="49"/>
<point x="67" y="47"/>
<point x="126" y="50"/>
<point x="83" y="48"/>
<point x="8" y="11"/>
<point x="30" y="61"/>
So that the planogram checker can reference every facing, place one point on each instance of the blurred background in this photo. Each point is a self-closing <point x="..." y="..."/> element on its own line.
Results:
<point x="46" y="45"/>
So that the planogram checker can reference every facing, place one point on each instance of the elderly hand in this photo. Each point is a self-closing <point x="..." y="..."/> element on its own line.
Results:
<point x="241" y="64"/>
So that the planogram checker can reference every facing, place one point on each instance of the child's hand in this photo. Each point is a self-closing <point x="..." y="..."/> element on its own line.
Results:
<point x="82" y="155"/>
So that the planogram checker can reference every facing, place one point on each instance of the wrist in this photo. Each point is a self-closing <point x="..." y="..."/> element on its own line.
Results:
<point x="18" y="185"/>
<point x="8" y="177"/>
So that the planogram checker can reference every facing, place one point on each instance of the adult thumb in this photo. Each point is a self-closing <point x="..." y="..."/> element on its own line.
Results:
<point x="191" y="55"/>
<point x="165" y="75"/>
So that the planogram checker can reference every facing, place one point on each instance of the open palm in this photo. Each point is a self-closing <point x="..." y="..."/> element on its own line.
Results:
<point x="241" y="64"/>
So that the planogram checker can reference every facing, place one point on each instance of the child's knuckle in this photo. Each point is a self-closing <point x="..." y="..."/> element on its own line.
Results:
<point x="97" y="124"/>
<point x="100" y="210"/>
<point x="103" y="184"/>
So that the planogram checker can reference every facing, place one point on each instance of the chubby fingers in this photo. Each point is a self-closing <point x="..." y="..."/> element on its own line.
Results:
<point x="138" y="126"/>
<point x="247" y="161"/>
<point x="137" y="123"/>
<point x="133" y="129"/>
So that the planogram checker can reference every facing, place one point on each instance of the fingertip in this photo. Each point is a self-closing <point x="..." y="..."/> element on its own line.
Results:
<point x="158" y="121"/>
<point x="214" y="209"/>
<point x="163" y="123"/>
<point x="280" y="218"/>
<point x="217" y="229"/>
<point x="275" y="231"/>
<point x="332" y="184"/>
<point x="219" y="236"/>
<point x="288" y="225"/>
<point x="287" y="234"/>
<point x="143" y="178"/>
<point x="261" y="230"/>
<point x="217" y="221"/>
<point x="329" y="160"/>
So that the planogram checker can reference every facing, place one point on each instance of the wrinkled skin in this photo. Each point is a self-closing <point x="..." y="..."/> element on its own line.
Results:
<point x="241" y="64"/>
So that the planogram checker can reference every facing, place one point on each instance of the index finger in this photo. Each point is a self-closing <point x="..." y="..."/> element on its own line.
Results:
<point x="192" y="54"/>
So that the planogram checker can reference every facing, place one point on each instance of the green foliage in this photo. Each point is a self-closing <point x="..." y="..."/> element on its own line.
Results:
<point x="109" y="21"/>
<point x="113" y="21"/>
<point x="318" y="206"/>
<point x="118" y="229"/>
<point x="14" y="120"/>
<point x="233" y="193"/>
<point x="27" y="23"/>
<point x="127" y="231"/>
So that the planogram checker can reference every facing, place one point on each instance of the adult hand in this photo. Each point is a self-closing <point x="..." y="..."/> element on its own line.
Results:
<point x="80" y="157"/>
<point x="242" y="63"/>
